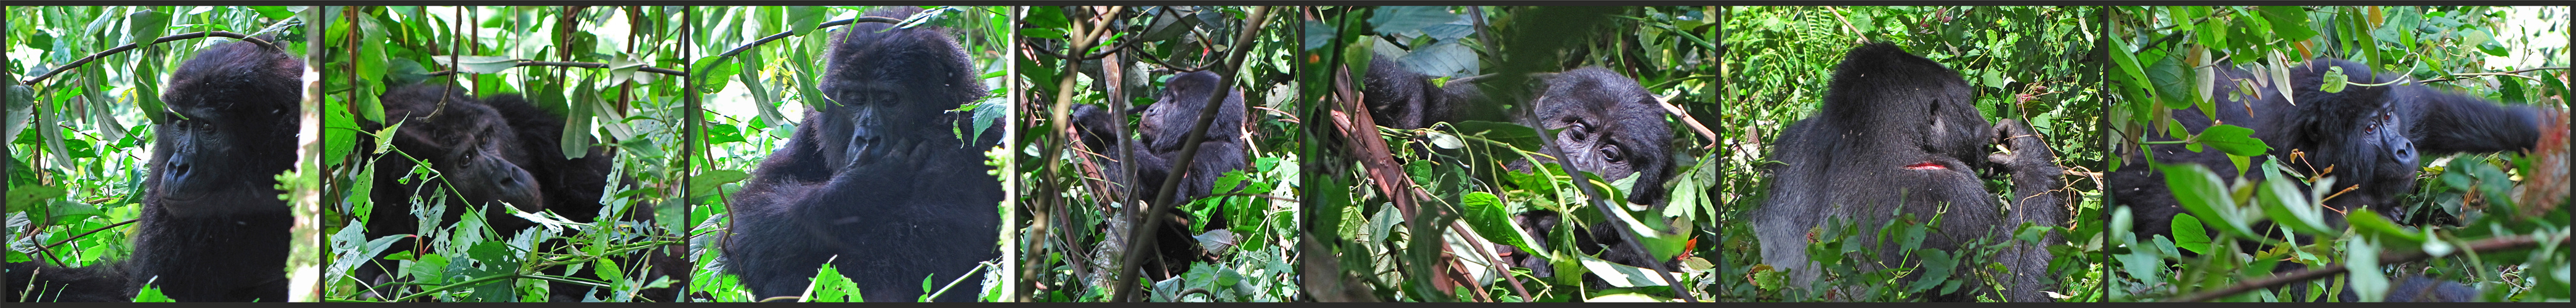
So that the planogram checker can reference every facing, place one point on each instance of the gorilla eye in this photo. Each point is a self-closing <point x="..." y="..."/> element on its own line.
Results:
<point x="1611" y="153"/>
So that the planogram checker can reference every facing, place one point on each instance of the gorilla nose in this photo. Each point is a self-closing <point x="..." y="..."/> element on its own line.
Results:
<point x="179" y="166"/>
<point x="2404" y="151"/>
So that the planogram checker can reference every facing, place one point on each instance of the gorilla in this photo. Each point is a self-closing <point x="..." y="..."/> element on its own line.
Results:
<point x="1162" y="131"/>
<point x="2369" y="138"/>
<point x="212" y="227"/>
<point x="875" y="182"/>
<point x="1900" y="134"/>
<point x="491" y="152"/>
<point x="1400" y="98"/>
<point x="1605" y="123"/>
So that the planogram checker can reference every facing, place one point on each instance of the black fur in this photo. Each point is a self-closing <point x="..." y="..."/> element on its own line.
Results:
<point x="1605" y="123"/>
<point x="875" y="183"/>
<point x="2370" y="137"/>
<point x="491" y="152"/>
<point x="212" y="227"/>
<point x="1161" y="130"/>
<point x="1900" y="134"/>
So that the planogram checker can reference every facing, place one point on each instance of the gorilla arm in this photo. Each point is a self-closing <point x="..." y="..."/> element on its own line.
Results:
<point x="2444" y="123"/>
<point x="2037" y="200"/>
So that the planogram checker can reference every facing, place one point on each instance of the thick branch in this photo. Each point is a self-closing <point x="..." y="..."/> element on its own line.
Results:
<point x="110" y="51"/>
<point x="781" y="35"/>
<point x="647" y="69"/>
<point x="2315" y="273"/>
<point x="2515" y="73"/>
<point x="1137" y="244"/>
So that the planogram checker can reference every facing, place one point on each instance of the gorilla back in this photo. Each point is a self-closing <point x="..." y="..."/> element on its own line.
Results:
<point x="2369" y="138"/>
<point x="875" y="183"/>
<point x="212" y="227"/>
<point x="1899" y="134"/>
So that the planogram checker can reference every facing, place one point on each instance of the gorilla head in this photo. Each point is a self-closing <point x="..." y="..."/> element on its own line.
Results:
<point x="230" y="127"/>
<point x="467" y="142"/>
<point x="1918" y="111"/>
<point x="1899" y="135"/>
<point x="2358" y="132"/>
<point x="878" y="182"/>
<point x="1398" y="97"/>
<point x="1608" y="125"/>
<point x="886" y="82"/>
<point x="1167" y="122"/>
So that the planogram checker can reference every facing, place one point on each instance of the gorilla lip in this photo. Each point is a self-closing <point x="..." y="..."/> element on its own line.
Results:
<point x="1926" y="165"/>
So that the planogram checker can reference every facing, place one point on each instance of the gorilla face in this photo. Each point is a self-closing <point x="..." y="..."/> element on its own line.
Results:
<point x="901" y="81"/>
<point x="1607" y="124"/>
<point x="488" y="156"/>
<point x="471" y="146"/>
<point x="227" y="109"/>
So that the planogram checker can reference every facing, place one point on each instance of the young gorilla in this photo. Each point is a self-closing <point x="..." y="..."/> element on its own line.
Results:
<point x="2370" y="137"/>
<point x="212" y="227"/>
<point x="1400" y="98"/>
<point x="490" y="152"/>
<point x="875" y="182"/>
<point x="1606" y="124"/>
<point x="1899" y="134"/>
<point x="1163" y="129"/>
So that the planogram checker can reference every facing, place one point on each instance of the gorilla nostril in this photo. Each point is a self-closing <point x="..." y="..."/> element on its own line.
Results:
<point x="179" y="167"/>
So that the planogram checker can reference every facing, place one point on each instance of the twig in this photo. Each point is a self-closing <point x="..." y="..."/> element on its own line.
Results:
<point x="86" y="234"/>
<point x="131" y="46"/>
<point x="781" y="35"/>
<point x="2487" y="245"/>
<point x="2515" y="73"/>
<point x="647" y="69"/>
<point x="1137" y="245"/>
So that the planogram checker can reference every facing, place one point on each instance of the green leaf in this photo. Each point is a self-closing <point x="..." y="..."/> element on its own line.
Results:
<point x="2233" y="140"/>
<point x="2334" y="80"/>
<point x="1485" y="212"/>
<point x="476" y="64"/>
<point x="2361" y="260"/>
<point x="2189" y="235"/>
<point x="1936" y="267"/>
<point x="2290" y="23"/>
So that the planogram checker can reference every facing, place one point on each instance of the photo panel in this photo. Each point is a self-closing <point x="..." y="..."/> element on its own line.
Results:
<point x="851" y="154"/>
<point x="154" y="151"/>
<point x="1511" y="154"/>
<point x="2339" y="153"/>
<point x="1161" y="156"/>
<point x="505" y="154"/>
<point x="1928" y="153"/>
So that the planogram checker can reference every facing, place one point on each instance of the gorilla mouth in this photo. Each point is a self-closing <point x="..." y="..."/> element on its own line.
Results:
<point x="1926" y="165"/>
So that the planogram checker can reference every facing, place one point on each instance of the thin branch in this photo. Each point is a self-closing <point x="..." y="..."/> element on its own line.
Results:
<point x="92" y="231"/>
<point x="647" y="69"/>
<point x="781" y="35"/>
<point x="130" y="46"/>
<point x="2515" y="73"/>
<point x="2315" y="273"/>
<point x="1137" y="245"/>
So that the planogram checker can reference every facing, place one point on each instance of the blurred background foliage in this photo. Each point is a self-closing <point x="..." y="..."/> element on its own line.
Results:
<point x="1076" y="229"/>
<point x="753" y="93"/>
<point x="1447" y="248"/>
<point x="2514" y="55"/>
<point x="616" y="102"/>
<point x="79" y="141"/>
<point x="2038" y="65"/>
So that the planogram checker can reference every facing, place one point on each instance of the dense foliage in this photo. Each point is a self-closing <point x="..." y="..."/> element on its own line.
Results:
<point x="755" y="90"/>
<point x="2035" y="64"/>
<point x="615" y="102"/>
<point x="80" y="129"/>
<point x="2517" y="55"/>
<point x="1474" y="178"/>
<point x="1075" y="231"/>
